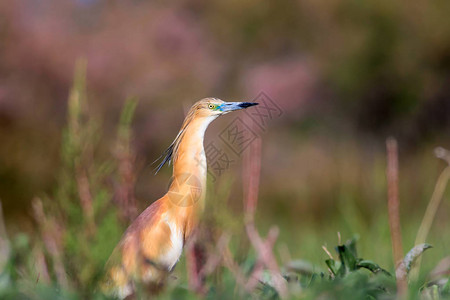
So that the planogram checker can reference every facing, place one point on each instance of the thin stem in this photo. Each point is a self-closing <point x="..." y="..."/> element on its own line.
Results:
<point x="252" y="170"/>
<point x="432" y="207"/>
<point x="394" y="208"/>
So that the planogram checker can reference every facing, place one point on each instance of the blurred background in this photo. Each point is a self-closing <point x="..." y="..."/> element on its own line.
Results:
<point x="343" y="75"/>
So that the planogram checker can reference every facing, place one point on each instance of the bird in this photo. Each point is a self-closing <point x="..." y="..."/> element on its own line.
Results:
<point x="153" y="243"/>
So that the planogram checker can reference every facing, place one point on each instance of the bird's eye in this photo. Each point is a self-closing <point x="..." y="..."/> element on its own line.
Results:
<point x="211" y="106"/>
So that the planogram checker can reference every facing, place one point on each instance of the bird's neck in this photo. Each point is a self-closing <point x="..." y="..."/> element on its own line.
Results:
<point x="190" y="167"/>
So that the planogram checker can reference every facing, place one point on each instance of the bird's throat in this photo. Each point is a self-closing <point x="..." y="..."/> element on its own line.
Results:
<point x="190" y="166"/>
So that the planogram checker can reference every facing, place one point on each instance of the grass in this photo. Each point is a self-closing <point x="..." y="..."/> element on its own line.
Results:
<point x="80" y="223"/>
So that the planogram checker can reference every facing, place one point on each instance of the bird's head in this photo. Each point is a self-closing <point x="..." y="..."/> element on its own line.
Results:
<point x="203" y="111"/>
<point x="216" y="107"/>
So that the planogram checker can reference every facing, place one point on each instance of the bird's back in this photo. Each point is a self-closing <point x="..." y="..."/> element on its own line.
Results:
<point x="147" y="252"/>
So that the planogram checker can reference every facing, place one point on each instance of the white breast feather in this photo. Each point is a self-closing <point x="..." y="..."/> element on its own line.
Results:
<point x="170" y="258"/>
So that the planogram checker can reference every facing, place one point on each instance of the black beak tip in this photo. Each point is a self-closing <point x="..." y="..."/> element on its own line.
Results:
<point x="247" y="104"/>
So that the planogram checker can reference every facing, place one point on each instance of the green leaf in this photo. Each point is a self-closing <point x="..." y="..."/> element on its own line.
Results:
<point x="446" y="288"/>
<point x="373" y="267"/>
<point x="347" y="258"/>
<point x="351" y="245"/>
<point x="331" y="265"/>
<point x="302" y="266"/>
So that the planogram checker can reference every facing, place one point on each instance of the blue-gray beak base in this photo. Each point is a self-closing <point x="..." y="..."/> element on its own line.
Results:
<point x="231" y="106"/>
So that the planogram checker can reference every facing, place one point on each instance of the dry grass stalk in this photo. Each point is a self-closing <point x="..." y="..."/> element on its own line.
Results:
<point x="126" y="158"/>
<point x="125" y="191"/>
<point x="5" y="248"/>
<point x="51" y="235"/>
<point x="193" y="268"/>
<point x="196" y="272"/>
<point x="265" y="258"/>
<point x="233" y="266"/>
<point x="436" y="198"/>
<point x="41" y="267"/>
<point x="85" y="196"/>
<point x="394" y="209"/>
<point x="252" y="169"/>
<point x="215" y="258"/>
<point x="433" y="206"/>
<point x="327" y="252"/>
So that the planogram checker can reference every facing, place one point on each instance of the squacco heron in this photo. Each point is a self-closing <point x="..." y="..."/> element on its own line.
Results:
<point x="153" y="243"/>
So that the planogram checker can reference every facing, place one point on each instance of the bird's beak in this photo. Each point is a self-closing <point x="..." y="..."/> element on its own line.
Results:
<point x="231" y="106"/>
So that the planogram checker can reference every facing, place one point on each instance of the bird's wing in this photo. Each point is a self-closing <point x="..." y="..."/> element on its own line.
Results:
<point x="125" y="260"/>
